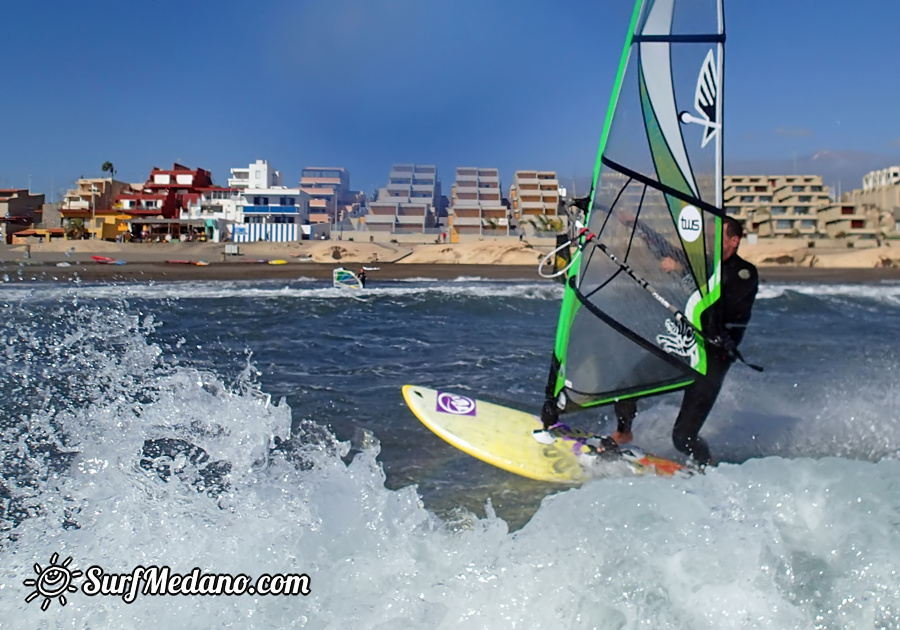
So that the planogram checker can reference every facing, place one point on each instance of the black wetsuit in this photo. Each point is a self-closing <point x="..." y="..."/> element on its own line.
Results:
<point x="362" y="278"/>
<point x="740" y="282"/>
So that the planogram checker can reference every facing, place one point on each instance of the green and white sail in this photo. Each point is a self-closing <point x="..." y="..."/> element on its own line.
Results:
<point x="655" y="208"/>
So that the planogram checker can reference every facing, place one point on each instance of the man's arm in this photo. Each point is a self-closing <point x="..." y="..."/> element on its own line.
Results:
<point x="740" y="295"/>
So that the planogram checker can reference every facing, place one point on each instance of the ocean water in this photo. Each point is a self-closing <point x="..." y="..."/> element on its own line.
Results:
<point x="258" y="428"/>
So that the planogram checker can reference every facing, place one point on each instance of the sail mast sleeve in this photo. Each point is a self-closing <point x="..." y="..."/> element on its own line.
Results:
<point x="570" y="301"/>
<point x="617" y="90"/>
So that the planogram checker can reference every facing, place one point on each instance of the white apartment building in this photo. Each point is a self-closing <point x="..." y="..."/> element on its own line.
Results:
<point x="274" y="214"/>
<point x="257" y="175"/>
<point x="880" y="197"/>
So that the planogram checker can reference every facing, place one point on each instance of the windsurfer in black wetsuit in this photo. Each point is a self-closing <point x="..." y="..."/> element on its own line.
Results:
<point x="362" y="277"/>
<point x="724" y="331"/>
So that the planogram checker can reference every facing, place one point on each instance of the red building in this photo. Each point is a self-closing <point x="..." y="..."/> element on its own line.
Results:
<point x="166" y="192"/>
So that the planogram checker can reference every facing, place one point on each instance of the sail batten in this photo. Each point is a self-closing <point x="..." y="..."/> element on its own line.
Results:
<point x="655" y="213"/>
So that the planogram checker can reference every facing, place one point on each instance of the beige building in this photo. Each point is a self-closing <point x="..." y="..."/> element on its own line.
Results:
<point x="880" y="199"/>
<point x="408" y="204"/>
<point x="534" y="197"/>
<point x="329" y="193"/>
<point x="776" y="205"/>
<point x="93" y="193"/>
<point x="19" y="210"/>
<point x="476" y="203"/>
<point x="840" y="220"/>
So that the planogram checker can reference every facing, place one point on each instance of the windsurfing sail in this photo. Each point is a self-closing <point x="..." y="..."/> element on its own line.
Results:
<point x="646" y="276"/>
<point x="345" y="279"/>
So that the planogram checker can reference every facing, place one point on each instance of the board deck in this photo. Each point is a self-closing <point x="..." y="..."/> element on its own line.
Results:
<point x="503" y="437"/>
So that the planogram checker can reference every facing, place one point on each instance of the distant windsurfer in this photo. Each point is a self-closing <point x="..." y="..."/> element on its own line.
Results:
<point x="362" y="277"/>
<point x="740" y="282"/>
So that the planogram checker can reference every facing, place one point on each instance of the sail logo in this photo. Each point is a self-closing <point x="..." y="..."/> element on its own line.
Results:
<point x="679" y="341"/>
<point x="455" y="404"/>
<point x="706" y="97"/>
<point x="690" y="224"/>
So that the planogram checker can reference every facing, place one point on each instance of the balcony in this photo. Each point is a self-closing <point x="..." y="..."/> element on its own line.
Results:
<point x="380" y="219"/>
<point x="460" y="221"/>
<point x="496" y="215"/>
<point x="383" y="209"/>
<point x="270" y="209"/>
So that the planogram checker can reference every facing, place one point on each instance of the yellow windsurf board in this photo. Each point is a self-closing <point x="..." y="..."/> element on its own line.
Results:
<point x="504" y="438"/>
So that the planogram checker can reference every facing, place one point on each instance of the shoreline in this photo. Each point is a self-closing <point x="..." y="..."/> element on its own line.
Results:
<point x="35" y="271"/>
<point x="489" y="259"/>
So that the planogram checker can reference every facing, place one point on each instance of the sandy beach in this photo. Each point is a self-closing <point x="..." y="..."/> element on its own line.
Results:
<point x="778" y="261"/>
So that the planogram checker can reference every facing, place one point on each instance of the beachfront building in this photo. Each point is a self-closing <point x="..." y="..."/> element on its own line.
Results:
<point x="534" y="197"/>
<point x="152" y="210"/>
<point x="776" y="205"/>
<point x="476" y="204"/>
<point x="880" y="197"/>
<point x="19" y="210"/>
<point x="846" y="220"/>
<point x="410" y="203"/>
<point x="215" y="208"/>
<point x="328" y="189"/>
<point x="277" y="214"/>
<point x="80" y="205"/>
<point x="257" y="175"/>
<point x="93" y="192"/>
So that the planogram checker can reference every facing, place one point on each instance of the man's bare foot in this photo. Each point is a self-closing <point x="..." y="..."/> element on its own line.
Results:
<point x="622" y="437"/>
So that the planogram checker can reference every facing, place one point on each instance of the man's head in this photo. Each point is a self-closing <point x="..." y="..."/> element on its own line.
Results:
<point x="732" y="232"/>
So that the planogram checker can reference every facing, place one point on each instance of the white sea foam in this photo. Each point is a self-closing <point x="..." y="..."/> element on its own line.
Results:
<point x="886" y="292"/>
<point x="272" y="290"/>
<point x="779" y="543"/>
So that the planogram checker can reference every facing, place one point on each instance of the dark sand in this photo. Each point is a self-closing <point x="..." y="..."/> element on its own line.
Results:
<point x="242" y="270"/>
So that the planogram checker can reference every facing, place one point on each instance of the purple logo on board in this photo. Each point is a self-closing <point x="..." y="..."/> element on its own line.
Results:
<point x="455" y="404"/>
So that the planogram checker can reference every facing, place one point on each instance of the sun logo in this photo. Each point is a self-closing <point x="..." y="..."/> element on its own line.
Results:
<point x="52" y="581"/>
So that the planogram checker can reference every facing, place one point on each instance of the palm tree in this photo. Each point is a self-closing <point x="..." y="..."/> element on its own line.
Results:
<point x="107" y="167"/>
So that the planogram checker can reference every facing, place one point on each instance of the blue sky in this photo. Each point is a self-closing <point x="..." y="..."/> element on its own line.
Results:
<point x="367" y="83"/>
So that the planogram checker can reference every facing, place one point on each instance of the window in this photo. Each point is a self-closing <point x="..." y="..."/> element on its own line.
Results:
<point x="742" y="189"/>
<point x="779" y="210"/>
<point x="804" y="199"/>
<point x="765" y="199"/>
<point x="783" y="225"/>
<point x="815" y="188"/>
<point x="798" y="188"/>
<point x="857" y="224"/>
<point x="801" y="210"/>
<point x="807" y="223"/>
<point x="747" y="199"/>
